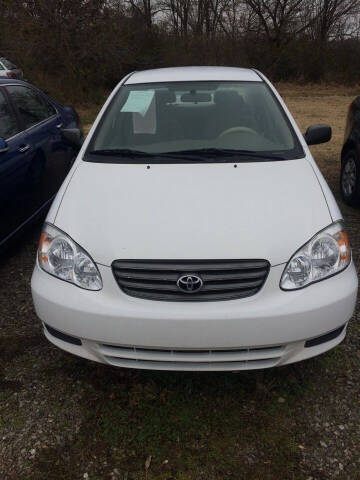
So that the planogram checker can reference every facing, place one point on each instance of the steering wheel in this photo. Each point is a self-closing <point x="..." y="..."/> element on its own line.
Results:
<point x="232" y="130"/>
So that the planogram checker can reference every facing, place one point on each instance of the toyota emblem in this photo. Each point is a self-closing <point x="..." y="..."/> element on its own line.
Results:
<point x="190" y="283"/>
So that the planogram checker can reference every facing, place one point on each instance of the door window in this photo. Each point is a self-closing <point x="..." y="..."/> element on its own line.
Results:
<point x="8" y="123"/>
<point x="31" y="105"/>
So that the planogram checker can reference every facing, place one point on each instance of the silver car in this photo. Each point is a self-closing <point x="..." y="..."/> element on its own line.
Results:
<point x="9" y="70"/>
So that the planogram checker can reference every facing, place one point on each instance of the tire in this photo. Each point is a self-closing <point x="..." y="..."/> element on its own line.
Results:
<point x="350" y="178"/>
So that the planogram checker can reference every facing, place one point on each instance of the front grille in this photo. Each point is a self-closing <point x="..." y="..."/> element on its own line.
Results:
<point x="221" y="279"/>
<point x="177" y="359"/>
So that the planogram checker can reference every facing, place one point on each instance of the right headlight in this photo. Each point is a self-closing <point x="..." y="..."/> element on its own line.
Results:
<point x="63" y="258"/>
<point x="324" y="255"/>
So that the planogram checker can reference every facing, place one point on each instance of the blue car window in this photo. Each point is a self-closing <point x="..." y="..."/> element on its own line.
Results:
<point x="31" y="106"/>
<point x="51" y="110"/>
<point x="8" y="123"/>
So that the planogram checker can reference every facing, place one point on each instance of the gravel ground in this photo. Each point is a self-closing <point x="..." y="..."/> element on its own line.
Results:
<point x="65" y="418"/>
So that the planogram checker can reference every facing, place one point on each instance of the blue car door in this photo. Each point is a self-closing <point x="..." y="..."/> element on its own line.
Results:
<point x="14" y="163"/>
<point x="49" y="155"/>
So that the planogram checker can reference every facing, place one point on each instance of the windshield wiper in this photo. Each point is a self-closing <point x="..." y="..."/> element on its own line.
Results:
<point x="217" y="152"/>
<point x="121" y="152"/>
<point x="184" y="156"/>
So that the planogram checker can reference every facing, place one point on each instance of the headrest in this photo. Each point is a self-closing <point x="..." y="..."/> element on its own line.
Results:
<point x="227" y="97"/>
<point x="165" y="96"/>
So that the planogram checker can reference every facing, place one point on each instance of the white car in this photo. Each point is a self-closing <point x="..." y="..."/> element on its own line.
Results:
<point x="195" y="231"/>
<point x="9" y="70"/>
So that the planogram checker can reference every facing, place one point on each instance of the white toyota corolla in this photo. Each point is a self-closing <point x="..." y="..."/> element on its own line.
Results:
<point x="195" y="231"/>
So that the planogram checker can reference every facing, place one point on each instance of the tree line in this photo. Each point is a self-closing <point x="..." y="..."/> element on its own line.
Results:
<point x="78" y="47"/>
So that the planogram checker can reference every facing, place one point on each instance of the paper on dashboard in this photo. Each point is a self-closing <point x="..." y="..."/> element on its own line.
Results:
<point x="138" y="101"/>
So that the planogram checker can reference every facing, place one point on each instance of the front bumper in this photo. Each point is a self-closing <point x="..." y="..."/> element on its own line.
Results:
<point x="265" y="330"/>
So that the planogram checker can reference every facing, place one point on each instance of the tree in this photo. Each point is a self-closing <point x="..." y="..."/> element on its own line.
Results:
<point x="280" y="20"/>
<point x="331" y="15"/>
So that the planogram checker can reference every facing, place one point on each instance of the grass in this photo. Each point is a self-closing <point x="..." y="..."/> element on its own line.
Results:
<point x="87" y="114"/>
<point x="193" y="426"/>
<point x="327" y="104"/>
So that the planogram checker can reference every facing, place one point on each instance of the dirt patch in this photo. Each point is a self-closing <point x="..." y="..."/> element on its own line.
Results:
<point x="15" y="345"/>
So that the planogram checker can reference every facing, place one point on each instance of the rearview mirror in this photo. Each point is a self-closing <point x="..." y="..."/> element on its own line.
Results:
<point x="317" y="134"/>
<point x="73" y="136"/>
<point x="4" y="147"/>
<point x="194" y="97"/>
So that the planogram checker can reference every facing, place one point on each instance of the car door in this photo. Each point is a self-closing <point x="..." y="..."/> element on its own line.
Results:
<point x="49" y="158"/>
<point x="14" y="164"/>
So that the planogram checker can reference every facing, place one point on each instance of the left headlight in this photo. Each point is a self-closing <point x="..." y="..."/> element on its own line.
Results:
<point x="324" y="255"/>
<point x="63" y="258"/>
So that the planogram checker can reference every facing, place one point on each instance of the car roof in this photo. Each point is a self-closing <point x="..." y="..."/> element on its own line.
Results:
<point x="185" y="74"/>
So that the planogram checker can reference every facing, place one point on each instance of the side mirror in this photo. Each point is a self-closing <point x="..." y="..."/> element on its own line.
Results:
<point x="317" y="134"/>
<point x="73" y="136"/>
<point x="69" y="108"/>
<point x="4" y="147"/>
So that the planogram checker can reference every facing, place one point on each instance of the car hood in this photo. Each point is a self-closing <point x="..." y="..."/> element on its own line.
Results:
<point x="264" y="210"/>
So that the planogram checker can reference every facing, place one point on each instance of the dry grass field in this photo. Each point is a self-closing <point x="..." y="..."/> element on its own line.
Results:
<point x="64" y="418"/>
<point x="322" y="104"/>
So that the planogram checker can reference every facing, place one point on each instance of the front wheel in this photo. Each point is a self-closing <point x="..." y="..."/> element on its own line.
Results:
<point x="350" y="179"/>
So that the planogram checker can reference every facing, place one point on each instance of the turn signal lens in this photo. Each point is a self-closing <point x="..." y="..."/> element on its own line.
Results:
<point x="61" y="257"/>
<point x="324" y="255"/>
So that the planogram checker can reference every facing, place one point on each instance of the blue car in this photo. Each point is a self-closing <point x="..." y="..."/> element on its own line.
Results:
<point x="39" y="140"/>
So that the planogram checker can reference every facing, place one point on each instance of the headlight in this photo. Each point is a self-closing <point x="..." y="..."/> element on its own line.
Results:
<point x="324" y="255"/>
<point x="60" y="256"/>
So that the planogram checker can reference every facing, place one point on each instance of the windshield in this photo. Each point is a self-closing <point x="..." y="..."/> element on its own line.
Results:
<point x="193" y="118"/>
<point x="8" y="64"/>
